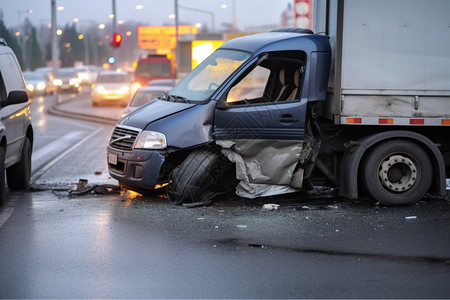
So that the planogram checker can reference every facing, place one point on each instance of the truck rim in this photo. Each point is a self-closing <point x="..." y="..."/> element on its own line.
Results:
<point x="398" y="173"/>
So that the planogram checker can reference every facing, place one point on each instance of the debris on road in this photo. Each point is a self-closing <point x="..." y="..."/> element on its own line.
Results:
<point x="81" y="188"/>
<point x="270" y="206"/>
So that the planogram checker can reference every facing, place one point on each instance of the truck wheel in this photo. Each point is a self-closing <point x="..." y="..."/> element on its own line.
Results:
<point x="397" y="173"/>
<point x="2" y="175"/>
<point x="18" y="175"/>
<point x="197" y="174"/>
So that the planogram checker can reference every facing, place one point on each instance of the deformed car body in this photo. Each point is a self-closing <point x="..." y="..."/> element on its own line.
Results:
<point x="247" y="102"/>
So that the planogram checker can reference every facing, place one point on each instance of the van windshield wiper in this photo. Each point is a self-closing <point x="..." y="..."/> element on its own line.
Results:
<point x="176" y="97"/>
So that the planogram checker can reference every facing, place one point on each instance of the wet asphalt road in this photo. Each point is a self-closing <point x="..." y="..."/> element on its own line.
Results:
<point x="54" y="245"/>
<point x="128" y="246"/>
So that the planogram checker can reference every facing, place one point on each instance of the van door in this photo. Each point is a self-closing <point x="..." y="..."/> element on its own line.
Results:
<point x="260" y="124"/>
<point x="12" y="116"/>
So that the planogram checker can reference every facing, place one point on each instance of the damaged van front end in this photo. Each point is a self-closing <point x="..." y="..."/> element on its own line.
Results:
<point x="247" y="108"/>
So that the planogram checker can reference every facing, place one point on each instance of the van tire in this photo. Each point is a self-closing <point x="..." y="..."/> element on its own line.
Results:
<point x="18" y="175"/>
<point x="197" y="174"/>
<point x="397" y="173"/>
<point x="2" y="175"/>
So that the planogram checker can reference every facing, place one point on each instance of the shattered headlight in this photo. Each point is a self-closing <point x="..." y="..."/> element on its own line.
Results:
<point x="151" y="140"/>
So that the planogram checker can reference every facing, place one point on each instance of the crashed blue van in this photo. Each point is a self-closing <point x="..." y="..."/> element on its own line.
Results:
<point x="246" y="108"/>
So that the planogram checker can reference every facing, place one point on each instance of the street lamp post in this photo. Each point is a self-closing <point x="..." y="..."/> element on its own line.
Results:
<point x="202" y="11"/>
<point x="177" y="46"/>
<point x="54" y="41"/>
<point x="114" y="18"/>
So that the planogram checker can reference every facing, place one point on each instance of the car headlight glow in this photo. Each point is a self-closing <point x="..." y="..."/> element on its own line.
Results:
<point x="40" y="86"/>
<point x="101" y="89"/>
<point x="74" y="81"/>
<point x="135" y="86"/>
<point x="30" y="87"/>
<point x="57" y="82"/>
<point x="123" y="89"/>
<point x="151" y="140"/>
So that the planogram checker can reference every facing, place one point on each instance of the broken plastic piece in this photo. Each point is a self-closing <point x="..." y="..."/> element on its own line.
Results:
<point x="270" y="206"/>
<point x="81" y="185"/>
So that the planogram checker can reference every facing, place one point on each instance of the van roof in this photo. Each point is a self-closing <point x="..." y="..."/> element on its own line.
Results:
<point x="280" y="40"/>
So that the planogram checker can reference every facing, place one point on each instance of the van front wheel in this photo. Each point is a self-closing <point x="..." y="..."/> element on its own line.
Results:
<point x="197" y="174"/>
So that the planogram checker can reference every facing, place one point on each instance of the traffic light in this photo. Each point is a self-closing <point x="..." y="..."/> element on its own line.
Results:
<point x="117" y="40"/>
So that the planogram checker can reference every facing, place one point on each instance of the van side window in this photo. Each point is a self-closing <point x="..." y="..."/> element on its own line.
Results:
<point x="251" y="87"/>
<point x="276" y="79"/>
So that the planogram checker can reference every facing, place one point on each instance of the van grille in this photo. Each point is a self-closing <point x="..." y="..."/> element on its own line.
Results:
<point x="123" y="138"/>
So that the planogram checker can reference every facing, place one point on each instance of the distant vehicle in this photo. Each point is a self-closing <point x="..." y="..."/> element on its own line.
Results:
<point x="87" y="74"/>
<point x="144" y="95"/>
<point x="163" y="82"/>
<point x="38" y="84"/>
<point x="67" y="80"/>
<point x="153" y="67"/>
<point x="44" y="70"/>
<point x="112" y="87"/>
<point x="16" y="131"/>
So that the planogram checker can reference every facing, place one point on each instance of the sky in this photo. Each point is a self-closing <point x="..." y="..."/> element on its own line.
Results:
<point x="248" y="13"/>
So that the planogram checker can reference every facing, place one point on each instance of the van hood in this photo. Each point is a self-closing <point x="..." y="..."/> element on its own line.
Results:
<point x="153" y="111"/>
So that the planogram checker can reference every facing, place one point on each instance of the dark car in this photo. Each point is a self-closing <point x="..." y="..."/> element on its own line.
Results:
<point x="243" y="108"/>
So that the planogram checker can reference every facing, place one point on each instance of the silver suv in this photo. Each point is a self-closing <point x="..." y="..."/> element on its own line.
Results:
<point x="16" y="131"/>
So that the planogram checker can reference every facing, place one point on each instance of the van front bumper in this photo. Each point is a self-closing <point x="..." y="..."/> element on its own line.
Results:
<point x="138" y="169"/>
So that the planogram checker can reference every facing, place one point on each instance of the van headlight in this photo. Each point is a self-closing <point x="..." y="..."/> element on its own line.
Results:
<point x="151" y="140"/>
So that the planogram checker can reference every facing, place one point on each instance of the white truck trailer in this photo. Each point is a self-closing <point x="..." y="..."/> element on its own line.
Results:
<point x="388" y="97"/>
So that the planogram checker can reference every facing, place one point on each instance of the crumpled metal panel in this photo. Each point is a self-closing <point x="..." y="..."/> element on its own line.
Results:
<point x="264" y="167"/>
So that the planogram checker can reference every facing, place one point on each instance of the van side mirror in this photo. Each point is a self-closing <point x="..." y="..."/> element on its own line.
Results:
<point x="15" y="97"/>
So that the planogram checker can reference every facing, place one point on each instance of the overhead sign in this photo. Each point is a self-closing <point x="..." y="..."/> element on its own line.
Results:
<point x="202" y="49"/>
<point x="162" y="37"/>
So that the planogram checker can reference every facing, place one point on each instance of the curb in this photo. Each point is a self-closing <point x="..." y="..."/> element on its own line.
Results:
<point x="56" y="111"/>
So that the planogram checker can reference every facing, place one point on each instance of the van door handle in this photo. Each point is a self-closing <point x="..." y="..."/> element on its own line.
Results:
<point x="288" y="118"/>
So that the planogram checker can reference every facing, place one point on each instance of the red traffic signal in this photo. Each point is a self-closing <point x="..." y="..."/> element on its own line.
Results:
<point x="117" y="40"/>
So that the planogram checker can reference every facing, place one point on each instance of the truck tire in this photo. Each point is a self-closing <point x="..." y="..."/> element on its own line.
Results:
<point x="397" y="173"/>
<point x="2" y="175"/>
<point x="18" y="175"/>
<point x="197" y="174"/>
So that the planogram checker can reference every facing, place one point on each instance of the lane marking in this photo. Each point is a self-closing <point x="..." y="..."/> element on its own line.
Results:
<point x="7" y="211"/>
<point x="13" y="197"/>
<point x="52" y="162"/>
<point x="42" y="153"/>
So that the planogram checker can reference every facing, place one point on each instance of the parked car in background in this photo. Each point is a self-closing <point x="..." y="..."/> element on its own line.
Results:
<point x="67" y="80"/>
<point x="38" y="84"/>
<point x="16" y="131"/>
<point x="112" y="87"/>
<point x="144" y="95"/>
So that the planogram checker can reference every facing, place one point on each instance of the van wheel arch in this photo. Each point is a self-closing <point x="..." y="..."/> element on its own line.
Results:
<point x="352" y="160"/>
<point x="199" y="173"/>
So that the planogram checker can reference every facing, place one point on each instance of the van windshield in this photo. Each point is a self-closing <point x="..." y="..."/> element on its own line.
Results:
<point x="201" y="82"/>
